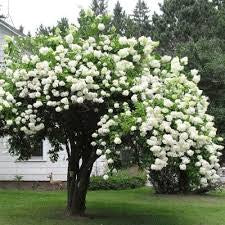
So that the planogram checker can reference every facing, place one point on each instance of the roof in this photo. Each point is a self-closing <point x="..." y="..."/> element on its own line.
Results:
<point x="11" y="28"/>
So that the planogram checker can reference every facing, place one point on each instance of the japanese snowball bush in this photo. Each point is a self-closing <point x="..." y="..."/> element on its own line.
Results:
<point x="150" y="101"/>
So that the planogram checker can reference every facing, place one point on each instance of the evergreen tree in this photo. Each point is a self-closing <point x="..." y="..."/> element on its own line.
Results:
<point x="62" y="25"/>
<point x="99" y="6"/>
<point x="130" y="27"/>
<point x="21" y="28"/>
<point x="182" y="21"/>
<point x="119" y="18"/>
<point x="29" y="34"/>
<point x="43" y="30"/>
<point x="141" y="19"/>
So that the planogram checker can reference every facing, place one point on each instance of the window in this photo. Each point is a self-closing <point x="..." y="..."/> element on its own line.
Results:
<point x="38" y="151"/>
<point x="38" y="154"/>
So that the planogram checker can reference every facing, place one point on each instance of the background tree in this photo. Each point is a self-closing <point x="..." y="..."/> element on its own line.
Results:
<point x="62" y="26"/>
<point x="21" y="28"/>
<point x="119" y="18"/>
<point x="43" y="30"/>
<point x="99" y="7"/>
<point x="141" y="19"/>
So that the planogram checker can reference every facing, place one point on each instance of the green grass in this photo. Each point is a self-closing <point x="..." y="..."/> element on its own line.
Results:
<point x="129" y="207"/>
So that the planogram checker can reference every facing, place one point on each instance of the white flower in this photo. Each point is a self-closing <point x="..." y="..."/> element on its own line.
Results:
<point x="175" y="65"/>
<point x="101" y="27"/>
<point x="58" y="109"/>
<point x="166" y="59"/>
<point x="182" y="167"/>
<point x="123" y="53"/>
<point x="99" y="152"/>
<point x="25" y="59"/>
<point x="110" y="161"/>
<point x="196" y="78"/>
<point x="155" y="64"/>
<point x="105" y="177"/>
<point x="123" y="40"/>
<point x="117" y="141"/>
<point x="184" y="60"/>
<point x="125" y="93"/>
<point x="9" y="122"/>
<point x="168" y="103"/>
<point x="194" y="72"/>
<point x="69" y="38"/>
<point x="133" y="128"/>
<point x="43" y="51"/>
<point x="136" y="58"/>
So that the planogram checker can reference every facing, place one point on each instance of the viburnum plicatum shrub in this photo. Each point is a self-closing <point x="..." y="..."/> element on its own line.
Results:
<point x="98" y="93"/>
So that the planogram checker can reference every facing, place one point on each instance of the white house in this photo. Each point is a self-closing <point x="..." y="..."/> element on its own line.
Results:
<point x="39" y="167"/>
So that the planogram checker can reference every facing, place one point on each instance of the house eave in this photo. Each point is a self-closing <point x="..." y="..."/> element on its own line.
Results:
<point x="10" y="28"/>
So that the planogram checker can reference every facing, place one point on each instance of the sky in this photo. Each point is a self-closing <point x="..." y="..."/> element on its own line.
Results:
<point x="32" y="13"/>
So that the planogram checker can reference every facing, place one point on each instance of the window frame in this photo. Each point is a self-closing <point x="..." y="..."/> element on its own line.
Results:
<point x="42" y="158"/>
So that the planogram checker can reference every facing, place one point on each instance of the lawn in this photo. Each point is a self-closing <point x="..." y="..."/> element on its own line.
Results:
<point x="129" y="207"/>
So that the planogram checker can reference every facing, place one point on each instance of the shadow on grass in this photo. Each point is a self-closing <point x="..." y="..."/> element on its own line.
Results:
<point x="133" y="207"/>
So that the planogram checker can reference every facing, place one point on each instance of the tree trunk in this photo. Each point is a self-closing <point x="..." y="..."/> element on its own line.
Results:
<point x="77" y="186"/>
<point x="78" y="197"/>
<point x="78" y="179"/>
<point x="183" y="182"/>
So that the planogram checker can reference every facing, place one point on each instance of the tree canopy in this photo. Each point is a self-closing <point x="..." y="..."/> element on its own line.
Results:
<point x="97" y="93"/>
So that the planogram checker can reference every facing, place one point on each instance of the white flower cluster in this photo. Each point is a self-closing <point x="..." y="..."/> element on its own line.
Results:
<point x="163" y="106"/>
<point x="175" y="124"/>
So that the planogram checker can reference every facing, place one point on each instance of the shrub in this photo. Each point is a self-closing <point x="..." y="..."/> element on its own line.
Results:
<point x="120" y="181"/>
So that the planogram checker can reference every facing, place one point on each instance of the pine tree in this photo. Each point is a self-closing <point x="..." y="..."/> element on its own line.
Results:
<point x="141" y="19"/>
<point x="130" y="27"/>
<point x="62" y="25"/>
<point x="43" y="30"/>
<point x="182" y="21"/>
<point x="119" y="18"/>
<point x="21" y="28"/>
<point x="99" y="6"/>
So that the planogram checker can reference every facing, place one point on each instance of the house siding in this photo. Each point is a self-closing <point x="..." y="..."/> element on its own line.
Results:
<point x="37" y="169"/>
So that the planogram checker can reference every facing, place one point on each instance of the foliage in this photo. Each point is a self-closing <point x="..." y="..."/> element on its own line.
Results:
<point x="61" y="27"/>
<point x="119" y="19"/>
<point x="121" y="180"/>
<point x="18" y="178"/>
<point x="181" y="21"/>
<point x="141" y="19"/>
<point x="97" y="93"/>
<point x="99" y="7"/>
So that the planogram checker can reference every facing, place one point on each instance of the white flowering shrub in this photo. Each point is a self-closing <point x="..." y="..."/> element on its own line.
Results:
<point x="97" y="93"/>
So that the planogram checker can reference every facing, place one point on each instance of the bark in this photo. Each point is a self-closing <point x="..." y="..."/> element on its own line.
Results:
<point x="78" y="177"/>
<point x="183" y="182"/>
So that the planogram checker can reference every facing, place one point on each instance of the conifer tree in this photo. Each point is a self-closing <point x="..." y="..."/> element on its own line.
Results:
<point x="119" y="18"/>
<point x="99" y="7"/>
<point x="141" y="19"/>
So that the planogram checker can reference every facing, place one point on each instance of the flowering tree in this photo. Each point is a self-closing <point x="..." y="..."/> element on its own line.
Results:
<point x="97" y="93"/>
